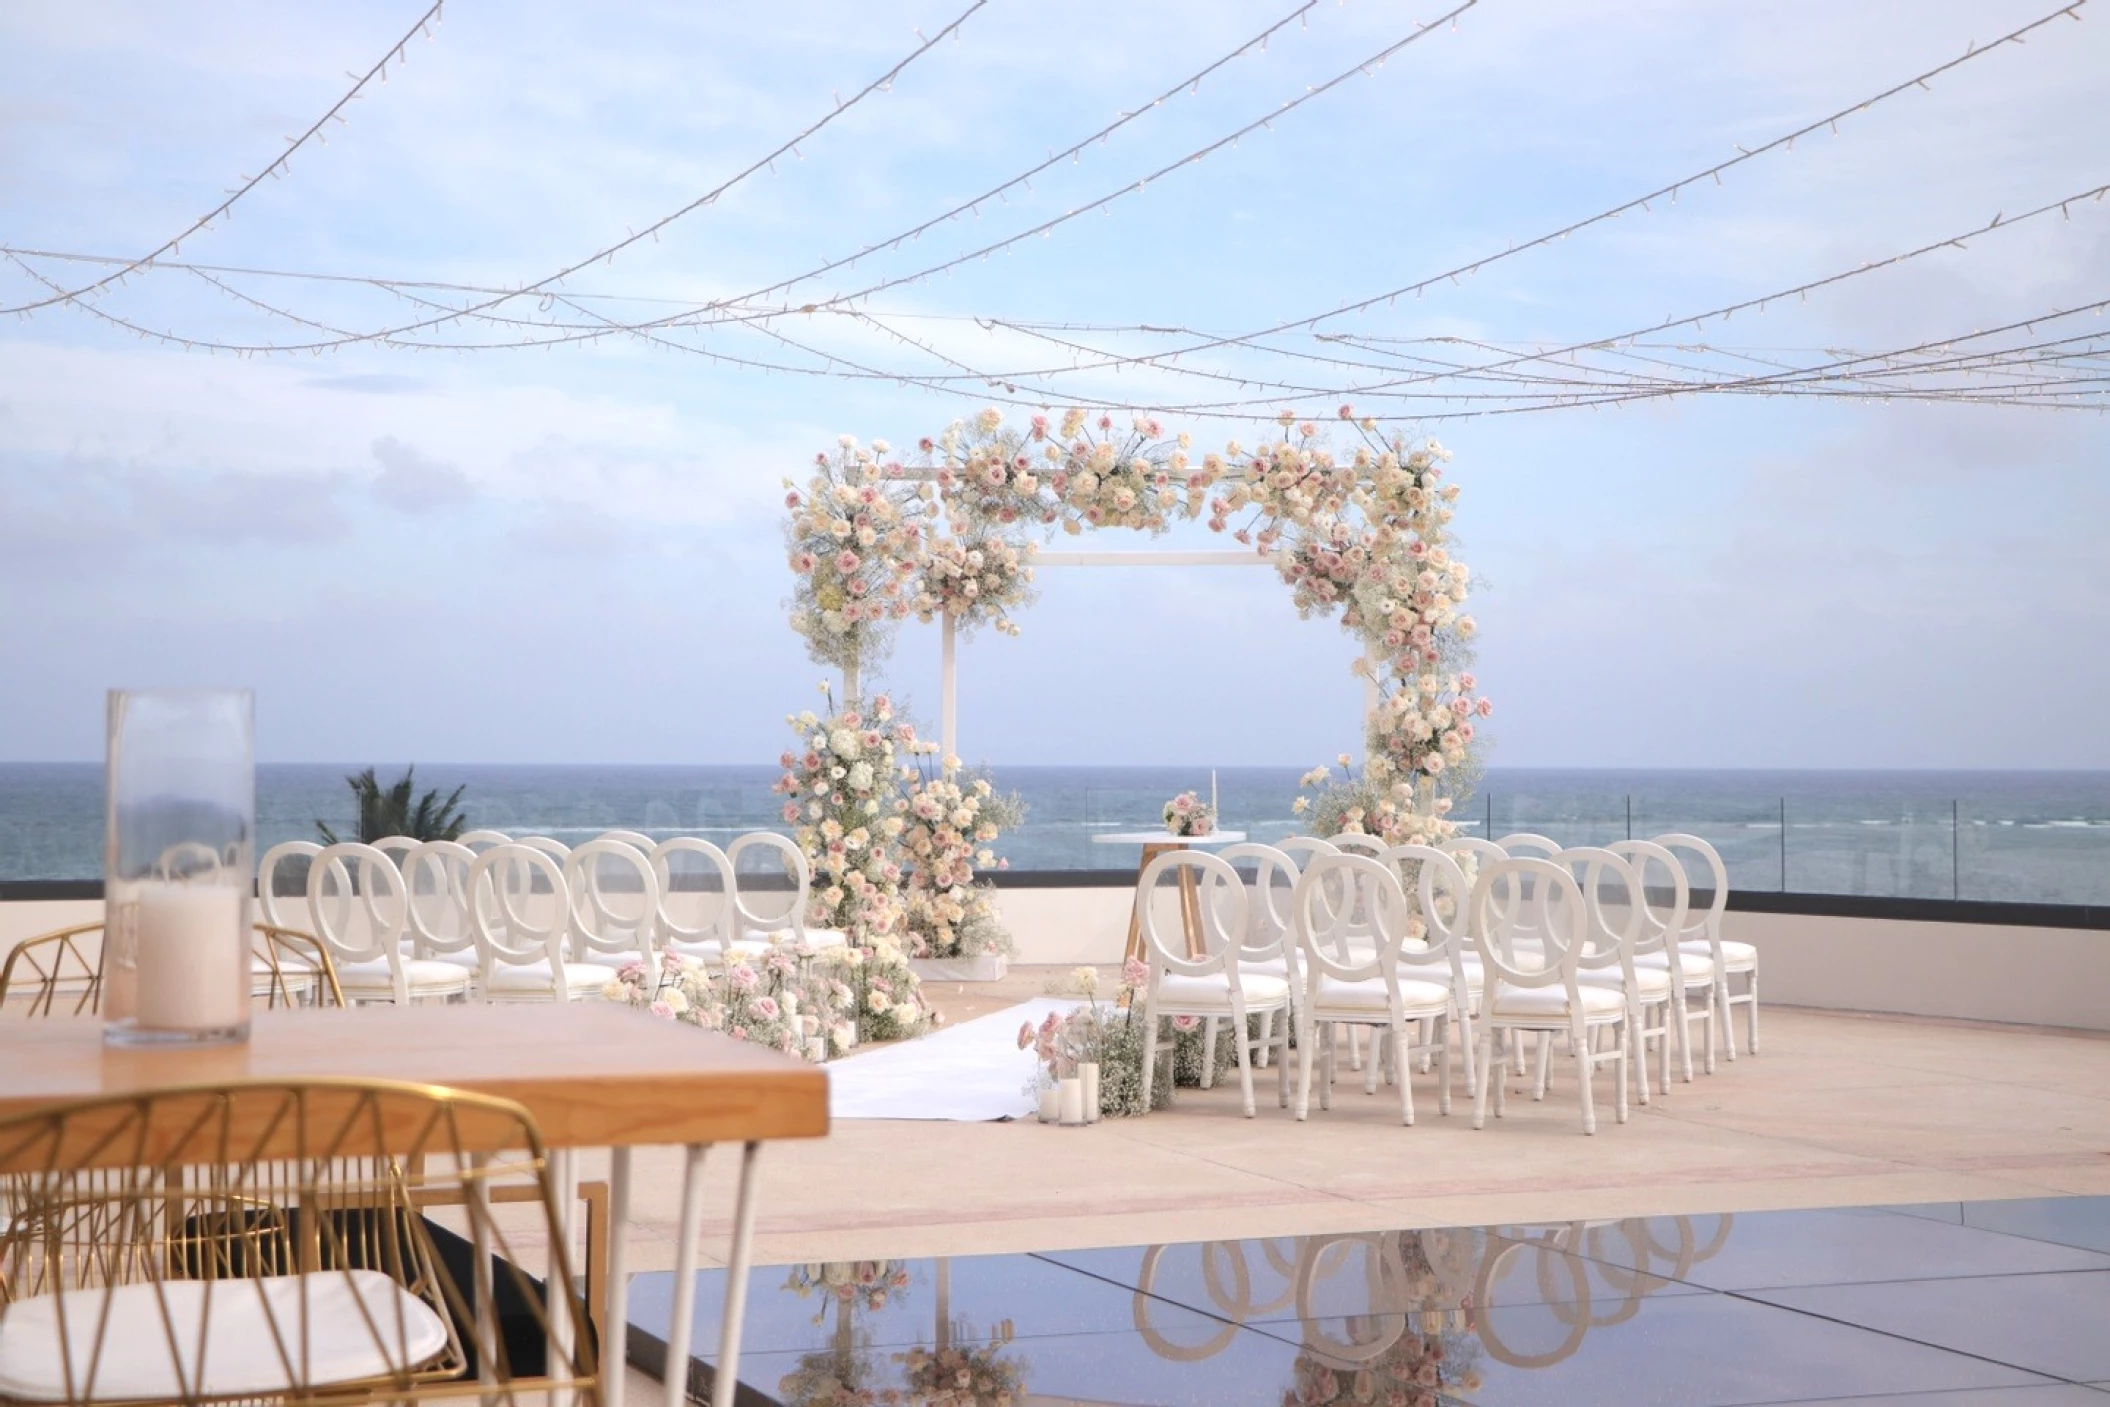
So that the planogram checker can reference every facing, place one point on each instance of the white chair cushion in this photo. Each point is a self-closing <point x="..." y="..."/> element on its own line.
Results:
<point x="1654" y="982"/>
<point x="1697" y="967"/>
<point x="428" y="977"/>
<point x="1417" y="998"/>
<point x="1553" y="1002"/>
<point x="240" y="1359"/>
<point x="1737" y="957"/>
<point x="533" y="980"/>
<point x="1178" y="992"/>
<point x="601" y="959"/>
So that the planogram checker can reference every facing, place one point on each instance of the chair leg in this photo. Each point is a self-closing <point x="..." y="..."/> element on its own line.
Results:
<point x="1751" y="1016"/>
<point x="1708" y="1063"/>
<point x="1491" y="1071"/>
<point x="1545" y="1071"/>
<point x="1208" y="1052"/>
<point x="1245" y="1061"/>
<point x="1443" y="1065"/>
<point x="1636" y="1020"/>
<point x="1355" y="1047"/>
<point x="1728" y="1014"/>
<point x="1307" y="1056"/>
<point x="1626" y="1065"/>
<point x="1267" y="1026"/>
<point x="1332" y="1055"/>
<point x="1583" y="1061"/>
<point x="1380" y="1063"/>
<point x="1282" y="1061"/>
<point x="1465" y="1048"/>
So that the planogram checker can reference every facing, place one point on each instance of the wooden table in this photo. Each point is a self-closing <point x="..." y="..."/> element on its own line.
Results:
<point x="1156" y="843"/>
<point x="593" y="1075"/>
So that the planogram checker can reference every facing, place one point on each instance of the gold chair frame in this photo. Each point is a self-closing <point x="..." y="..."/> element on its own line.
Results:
<point x="170" y="1202"/>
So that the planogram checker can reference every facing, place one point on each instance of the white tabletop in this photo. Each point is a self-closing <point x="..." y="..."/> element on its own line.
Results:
<point x="1166" y="838"/>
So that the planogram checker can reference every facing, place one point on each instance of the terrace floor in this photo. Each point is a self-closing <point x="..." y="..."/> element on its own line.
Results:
<point x="1839" y="1110"/>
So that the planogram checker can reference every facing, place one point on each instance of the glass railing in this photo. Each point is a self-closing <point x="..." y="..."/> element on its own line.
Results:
<point x="2007" y="837"/>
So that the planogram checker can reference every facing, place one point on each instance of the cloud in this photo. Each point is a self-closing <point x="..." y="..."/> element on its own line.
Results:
<point x="413" y="482"/>
<point x="575" y="530"/>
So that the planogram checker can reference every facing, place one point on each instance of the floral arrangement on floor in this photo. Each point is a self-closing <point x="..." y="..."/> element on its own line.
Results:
<point x="969" y="1374"/>
<point x="1106" y="1033"/>
<point x="1188" y="814"/>
<point x="893" y="849"/>
<point x="795" y="1001"/>
<point x="949" y="819"/>
<point x="1362" y="534"/>
<point x="831" y="1377"/>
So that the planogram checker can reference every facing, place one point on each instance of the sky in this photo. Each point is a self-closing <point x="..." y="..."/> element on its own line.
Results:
<point x="572" y="553"/>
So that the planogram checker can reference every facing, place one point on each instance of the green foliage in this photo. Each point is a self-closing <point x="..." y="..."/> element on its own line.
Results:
<point x="393" y="811"/>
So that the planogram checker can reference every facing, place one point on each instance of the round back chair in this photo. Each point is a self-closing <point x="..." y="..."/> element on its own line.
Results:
<point x="514" y="926"/>
<point x="359" y="907"/>
<point x="614" y="901"/>
<point x="754" y="912"/>
<point x="708" y="901"/>
<point x="436" y="877"/>
<point x="267" y="878"/>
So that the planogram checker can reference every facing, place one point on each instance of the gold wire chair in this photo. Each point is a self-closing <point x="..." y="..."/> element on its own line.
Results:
<point x="327" y="1241"/>
<point x="55" y="973"/>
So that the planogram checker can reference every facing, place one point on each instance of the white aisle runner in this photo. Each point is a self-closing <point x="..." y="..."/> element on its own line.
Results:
<point x="967" y="1073"/>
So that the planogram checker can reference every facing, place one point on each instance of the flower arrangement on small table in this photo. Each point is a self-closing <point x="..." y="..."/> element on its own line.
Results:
<point x="1188" y="814"/>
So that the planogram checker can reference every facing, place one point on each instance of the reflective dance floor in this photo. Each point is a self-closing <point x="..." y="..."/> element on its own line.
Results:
<point x="1938" y="1305"/>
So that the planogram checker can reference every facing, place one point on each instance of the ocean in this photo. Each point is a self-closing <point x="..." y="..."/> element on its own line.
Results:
<point x="2033" y="837"/>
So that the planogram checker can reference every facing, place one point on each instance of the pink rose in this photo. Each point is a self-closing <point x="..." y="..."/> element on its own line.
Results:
<point x="1484" y="707"/>
<point x="846" y="561"/>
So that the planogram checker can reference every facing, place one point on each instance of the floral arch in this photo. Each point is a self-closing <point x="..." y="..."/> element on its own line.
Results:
<point x="1361" y="532"/>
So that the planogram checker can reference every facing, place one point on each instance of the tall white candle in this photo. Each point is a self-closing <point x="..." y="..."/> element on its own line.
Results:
<point x="193" y="957"/>
<point x="1212" y="789"/>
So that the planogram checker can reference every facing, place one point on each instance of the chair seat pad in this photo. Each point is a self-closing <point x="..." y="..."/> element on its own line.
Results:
<point x="1697" y="967"/>
<point x="601" y="959"/>
<point x="1416" y="997"/>
<point x="1178" y="992"/>
<point x="533" y="979"/>
<point x="1553" y="1002"/>
<point x="427" y="977"/>
<point x="240" y="1360"/>
<point x="1737" y="957"/>
<point x="1653" y="982"/>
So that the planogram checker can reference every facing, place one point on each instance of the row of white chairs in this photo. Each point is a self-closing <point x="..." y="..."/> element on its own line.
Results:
<point x="532" y="919"/>
<point x="1531" y="946"/>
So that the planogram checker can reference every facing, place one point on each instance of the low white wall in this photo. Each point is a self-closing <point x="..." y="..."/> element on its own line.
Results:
<point x="1978" y="972"/>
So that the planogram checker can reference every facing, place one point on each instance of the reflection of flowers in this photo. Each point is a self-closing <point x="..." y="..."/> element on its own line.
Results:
<point x="830" y="1378"/>
<point x="976" y="1375"/>
<point x="858" y="1284"/>
<point x="1434" y="1356"/>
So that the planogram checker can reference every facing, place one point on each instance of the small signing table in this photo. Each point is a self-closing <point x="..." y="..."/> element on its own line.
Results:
<point x="1156" y="843"/>
<point x="592" y="1074"/>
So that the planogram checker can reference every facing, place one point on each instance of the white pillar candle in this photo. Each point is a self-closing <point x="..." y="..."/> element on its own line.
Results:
<point x="192" y="958"/>
<point x="1072" y="1105"/>
<point x="1088" y="1072"/>
<point x="1212" y="790"/>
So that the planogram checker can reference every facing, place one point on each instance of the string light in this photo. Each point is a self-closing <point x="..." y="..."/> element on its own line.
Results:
<point x="249" y="183"/>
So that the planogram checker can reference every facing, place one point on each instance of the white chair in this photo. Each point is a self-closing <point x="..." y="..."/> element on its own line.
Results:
<point x="714" y="909"/>
<point x="436" y="878"/>
<point x="1367" y="990"/>
<point x="1607" y="959"/>
<point x="1545" y="998"/>
<point x="1444" y="954"/>
<point x="1270" y="944"/>
<point x="520" y="935"/>
<point x="1544" y="847"/>
<point x="1211" y="985"/>
<point x="267" y="880"/>
<point x="548" y="845"/>
<point x="1658" y="947"/>
<point x="360" y="906"/>
<point x="766" y="920"/>
<point x="1304" y="848"/>
<point x="637" y="839"/>
<point x="614" y="903"/>
<point x="396" y="847"/>
<point x="1356" y="843"/>
<point x="480" y="841"/>
<point x="1703" y="937"/>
